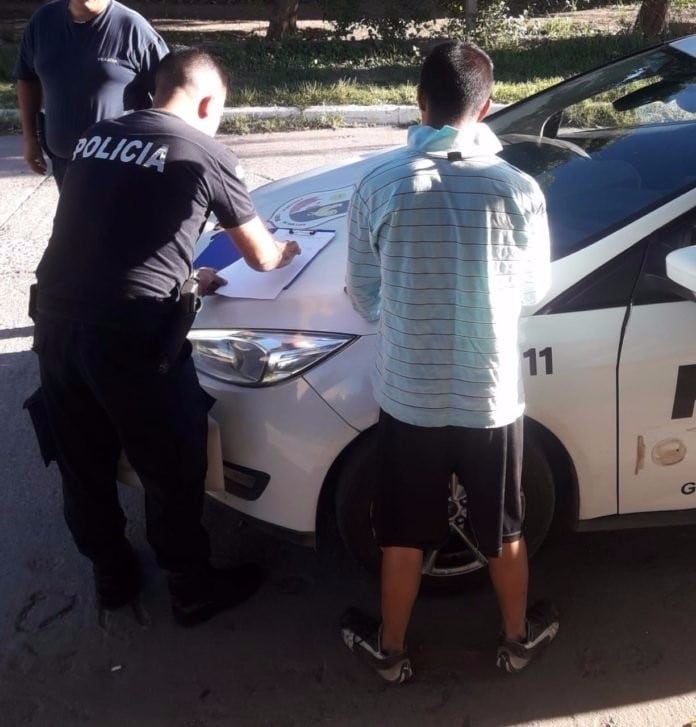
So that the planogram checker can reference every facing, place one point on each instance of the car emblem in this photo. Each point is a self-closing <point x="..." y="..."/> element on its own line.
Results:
<point x="314" y="209"/>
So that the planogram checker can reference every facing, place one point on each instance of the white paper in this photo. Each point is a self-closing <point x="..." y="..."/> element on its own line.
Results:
<point x="243" y="282"/>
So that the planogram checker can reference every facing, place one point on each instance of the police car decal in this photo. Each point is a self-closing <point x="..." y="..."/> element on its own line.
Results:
<point x="313" y="210"/>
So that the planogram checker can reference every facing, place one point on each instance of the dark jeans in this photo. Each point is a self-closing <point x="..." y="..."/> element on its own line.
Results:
<point x="103" y="393"/>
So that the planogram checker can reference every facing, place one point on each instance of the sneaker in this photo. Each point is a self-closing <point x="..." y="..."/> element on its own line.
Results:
<point x="542" y="627"/>
<point x="117" y="581"/>
<point x="197" y="598"/>
<point x="361" y="634"/>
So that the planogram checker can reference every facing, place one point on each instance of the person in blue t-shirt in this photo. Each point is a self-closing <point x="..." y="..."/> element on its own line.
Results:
<point x="81" y="61"/>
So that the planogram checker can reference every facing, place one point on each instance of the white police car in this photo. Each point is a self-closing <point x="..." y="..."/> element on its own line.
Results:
<point x="609" y="355"/>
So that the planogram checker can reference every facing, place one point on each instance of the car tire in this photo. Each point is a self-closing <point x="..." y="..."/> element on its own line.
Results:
<point x="355" y="491"/>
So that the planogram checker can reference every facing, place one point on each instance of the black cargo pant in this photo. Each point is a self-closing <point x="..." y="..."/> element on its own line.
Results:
<point x="103" y="393"/>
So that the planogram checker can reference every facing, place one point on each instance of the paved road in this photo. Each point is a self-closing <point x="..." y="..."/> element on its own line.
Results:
<point x="623" y="657"/>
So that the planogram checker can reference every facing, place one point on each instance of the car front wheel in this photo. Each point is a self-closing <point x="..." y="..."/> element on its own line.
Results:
<point x="458" y="564"/>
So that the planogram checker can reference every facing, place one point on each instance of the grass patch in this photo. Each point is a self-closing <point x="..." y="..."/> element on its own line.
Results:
<point x="317" y="69"/>
<point x="561" y="57"/>
<point x="8" y="95"/>
<point x="313" y="93"/>
<point x="305" y="73"/>
<point x="510" y="92"/>
<point x="249" y="125"/>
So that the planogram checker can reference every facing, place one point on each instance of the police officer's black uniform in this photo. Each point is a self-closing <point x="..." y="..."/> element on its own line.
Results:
<point x="129" y="214"/>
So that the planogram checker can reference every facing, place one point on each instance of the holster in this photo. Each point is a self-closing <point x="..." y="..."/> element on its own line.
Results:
<point x="186" y="307"/>
<point x="36" y="406"/>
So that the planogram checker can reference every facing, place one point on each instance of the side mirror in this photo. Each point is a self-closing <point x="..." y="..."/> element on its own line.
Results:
<point x="681" y="267"/>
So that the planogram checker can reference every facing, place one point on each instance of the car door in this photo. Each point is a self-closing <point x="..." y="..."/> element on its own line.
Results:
<point x="657" y="383"/>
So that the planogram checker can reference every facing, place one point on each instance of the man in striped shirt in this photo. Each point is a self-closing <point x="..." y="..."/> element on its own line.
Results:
<point x="446" y="243"/>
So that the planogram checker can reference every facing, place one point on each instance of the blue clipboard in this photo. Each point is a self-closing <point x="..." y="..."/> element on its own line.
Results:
<point x="219" y="253"/>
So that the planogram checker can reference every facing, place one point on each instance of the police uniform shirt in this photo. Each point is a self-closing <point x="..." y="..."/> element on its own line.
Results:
<point x="88" y="71"/>
<point x="130" y="211"/>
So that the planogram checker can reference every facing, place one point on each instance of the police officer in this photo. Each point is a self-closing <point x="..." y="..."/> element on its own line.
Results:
<point x="116" y="371"/>
<point x="83" y="61"/>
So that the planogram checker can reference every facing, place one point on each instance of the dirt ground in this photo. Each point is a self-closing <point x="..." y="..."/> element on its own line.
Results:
<point x="251" y="18"/>
<point x="623" y="657"/>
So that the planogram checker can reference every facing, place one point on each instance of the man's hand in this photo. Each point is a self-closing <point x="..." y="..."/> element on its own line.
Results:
<point x="287" y="250"/>
<point x="33" y="155"/>
<point x="259" y="250"/>
<point x="208" y="281"/>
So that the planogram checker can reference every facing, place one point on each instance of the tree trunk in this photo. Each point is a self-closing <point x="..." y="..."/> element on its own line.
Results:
<point x="470" y="12"/>
<point x="651" y="22"/>
<point x="283" y="19"/>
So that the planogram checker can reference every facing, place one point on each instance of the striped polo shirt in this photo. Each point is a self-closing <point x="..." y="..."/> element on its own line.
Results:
<point x="446" y="242"/>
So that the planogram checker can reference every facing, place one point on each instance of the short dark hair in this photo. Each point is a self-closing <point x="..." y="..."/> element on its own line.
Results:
<point x="456" y="80"/>
<point x="178" y="70"/>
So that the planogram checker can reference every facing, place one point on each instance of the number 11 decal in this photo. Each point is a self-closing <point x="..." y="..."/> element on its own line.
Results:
<point x="546" y="353"/>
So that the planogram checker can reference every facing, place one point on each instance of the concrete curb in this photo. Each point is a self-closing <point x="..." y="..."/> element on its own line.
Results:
<point x="378" y="115"/>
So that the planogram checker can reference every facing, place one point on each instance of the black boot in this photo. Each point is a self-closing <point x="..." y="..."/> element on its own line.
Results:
<point x="117" y="578"/>
<point x="200" y="594"/>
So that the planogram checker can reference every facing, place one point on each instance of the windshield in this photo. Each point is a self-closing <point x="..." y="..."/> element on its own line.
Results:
<point x="608" y="146"/>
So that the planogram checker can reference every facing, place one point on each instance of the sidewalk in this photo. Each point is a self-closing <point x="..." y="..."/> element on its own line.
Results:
<point x="17" y="183"/>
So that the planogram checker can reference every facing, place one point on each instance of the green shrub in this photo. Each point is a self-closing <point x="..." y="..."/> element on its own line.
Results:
<point x="493" y="24"/>
<point x="8" y="55"/>
<point x="390" y="20"/>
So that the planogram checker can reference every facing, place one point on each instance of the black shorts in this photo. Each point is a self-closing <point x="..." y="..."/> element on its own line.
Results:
<point x="415" y="468"/>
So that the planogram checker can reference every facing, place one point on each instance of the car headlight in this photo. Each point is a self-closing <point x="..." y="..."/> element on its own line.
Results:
<point x="260" y="358"/>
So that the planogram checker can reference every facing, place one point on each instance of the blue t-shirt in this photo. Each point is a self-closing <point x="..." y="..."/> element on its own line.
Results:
<point x="88" y="71"/>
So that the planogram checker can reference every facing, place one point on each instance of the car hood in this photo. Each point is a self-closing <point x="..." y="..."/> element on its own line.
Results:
<point x="316" y="300"/>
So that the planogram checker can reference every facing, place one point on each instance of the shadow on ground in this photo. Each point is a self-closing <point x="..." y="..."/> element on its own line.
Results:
<point x="626" y="601"/>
